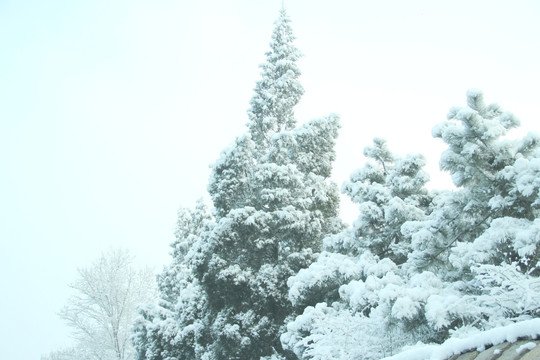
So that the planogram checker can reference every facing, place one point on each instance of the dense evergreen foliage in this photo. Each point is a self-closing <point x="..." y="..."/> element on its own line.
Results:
<point x="176" y="327"/>
<point x="272" y="273"/>
<point x="273" y="205"/>
<point x="423" y="266"/>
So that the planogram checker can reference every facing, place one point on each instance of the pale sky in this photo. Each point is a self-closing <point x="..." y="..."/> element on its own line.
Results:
<point x="112" y="111"/>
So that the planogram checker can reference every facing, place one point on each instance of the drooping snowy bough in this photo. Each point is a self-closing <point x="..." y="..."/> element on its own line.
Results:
<point x="425" y="266"/>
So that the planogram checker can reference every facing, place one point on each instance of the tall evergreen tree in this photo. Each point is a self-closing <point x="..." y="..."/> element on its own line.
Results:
<point x="273" y="204"/>
<point x="279" y="89"/>
<point x="225" y="294"/>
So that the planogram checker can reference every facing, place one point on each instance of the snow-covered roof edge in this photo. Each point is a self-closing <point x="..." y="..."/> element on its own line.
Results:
<point x="499" y="335"/>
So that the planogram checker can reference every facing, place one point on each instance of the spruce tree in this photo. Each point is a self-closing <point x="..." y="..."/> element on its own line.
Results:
<point x="273" y="204"/>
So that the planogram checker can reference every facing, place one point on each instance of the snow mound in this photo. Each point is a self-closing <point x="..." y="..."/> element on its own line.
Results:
<point x="499" y="335"/>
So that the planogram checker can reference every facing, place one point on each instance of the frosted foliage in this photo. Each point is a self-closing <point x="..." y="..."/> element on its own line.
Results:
<point x="189" y="228"/>
<point x="229" y="181"/>
<point x="279" y="89"/>
<point x="355" y="290"/>
<point x="254" y="249"/>
<point x="104" y="306"/>
<point x="483" y="237"/>
<point x="420" y="266"/>
<point x="390" y="192"/>
<point x="344" y="243"/>
<point x="408" y="179"/>
<point x="496" y="177"/>
<point x="475" y="152"/>
<point x="507" y="292"/>
<point x="431" y="238"/>
<point x="507" y="240"/>
<point x="174" y="326"/>
<point x="324" y="332"/>
<point x="379" y="152"/>
<point x="274" y="204"/>
<point x="385" y="310"/>
<point x="373" y="317"/>
<point x="522" y="180"/>
<point x="329" y="272"/>
<point x="266" y="236"/>
<point x="308" y="144"/>
<point x="286" y="188"/>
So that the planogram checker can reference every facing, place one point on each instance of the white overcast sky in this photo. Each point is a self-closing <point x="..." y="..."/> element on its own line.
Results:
<point x="112" y="111"/>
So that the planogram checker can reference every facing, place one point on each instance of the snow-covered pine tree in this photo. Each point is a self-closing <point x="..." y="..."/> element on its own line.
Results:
<point x="176" y="327"/>
<point x="482" y="165"/>
<point x="483" y="239"/>
<point x="389" y="191"/>
<point x="346" y="315"/>
<point x="481" y="244"/>
<point x="496" y="263"/>
<point x="274" y="204"/>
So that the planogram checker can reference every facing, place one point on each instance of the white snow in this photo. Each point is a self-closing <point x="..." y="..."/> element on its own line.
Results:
<point x="528" y="346"/>
<point x="510" y="333"/>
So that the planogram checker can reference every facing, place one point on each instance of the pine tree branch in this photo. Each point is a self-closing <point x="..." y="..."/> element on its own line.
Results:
<point x="447" y="246"/>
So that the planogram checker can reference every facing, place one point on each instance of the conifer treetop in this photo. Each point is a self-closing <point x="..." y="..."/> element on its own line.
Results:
<point x="279" y="89"/>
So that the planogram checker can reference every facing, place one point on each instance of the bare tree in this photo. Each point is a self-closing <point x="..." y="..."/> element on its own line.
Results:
<point x="104" y="306"/>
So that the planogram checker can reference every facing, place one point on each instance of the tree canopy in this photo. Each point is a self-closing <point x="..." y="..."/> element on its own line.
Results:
<point x="271" y="272"/>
